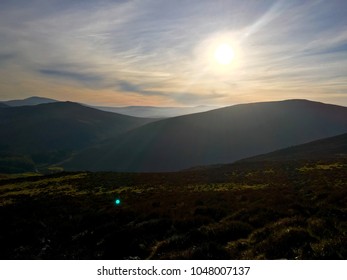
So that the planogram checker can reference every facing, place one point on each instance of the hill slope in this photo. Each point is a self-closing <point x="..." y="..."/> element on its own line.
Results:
<point x="327" y="148"/>
<point x="219" y="136"/>
<point x="156" y="112"/>
<point x="34" y="100"/>
<point x="62" y="127"/>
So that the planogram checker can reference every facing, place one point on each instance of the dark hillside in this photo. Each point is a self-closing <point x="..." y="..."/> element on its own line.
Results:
<point x="328" y="148"/>
<point x="219" y="136"/>
<point x="49" y="132"/>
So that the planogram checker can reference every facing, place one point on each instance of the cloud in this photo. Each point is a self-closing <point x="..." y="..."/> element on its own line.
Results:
<point x="130" y="87"/>
<point x="196" y="98"/>
<point x="5" y="58"/>
<point x="153" y="48"/>
<point x="70" y="75"/>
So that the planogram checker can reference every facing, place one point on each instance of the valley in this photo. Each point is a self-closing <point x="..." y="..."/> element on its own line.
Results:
<point x="252" y="181"/>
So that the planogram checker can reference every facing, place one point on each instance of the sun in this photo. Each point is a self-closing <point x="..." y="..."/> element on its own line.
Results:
<point x="219" y="55"/>
<point x="224" y="54"/>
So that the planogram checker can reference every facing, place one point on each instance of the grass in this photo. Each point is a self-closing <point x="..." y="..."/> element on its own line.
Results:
<point x="322" y="167"/>
<point x="293" y="210"/>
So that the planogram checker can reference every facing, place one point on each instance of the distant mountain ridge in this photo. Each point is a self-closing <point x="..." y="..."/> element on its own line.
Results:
<point x="34" y="100"/>
<point x="156" y="112"/>
<point x="51" y="132"/>
<point x="60" y="125"/>
<point x="215" y="137"/>
<point x="134" y="111"/>
<point x="83" y="138"/>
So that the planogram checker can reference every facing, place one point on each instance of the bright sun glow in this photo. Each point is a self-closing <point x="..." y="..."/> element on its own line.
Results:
<point x="224" y="54"/>
<point x="219" y="55"/>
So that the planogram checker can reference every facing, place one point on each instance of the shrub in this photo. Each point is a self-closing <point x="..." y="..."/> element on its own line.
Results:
<point x="192" y="222"/>
<point x="214" y="213"/>
<point x="237" y="249"/>
<point x="209" y="251"/>
<point x="285" y="243"/>
<point x="330" y="249"/>
<point x="226" y="231"/>
<point x="319" y="228"/>
<point x="175" y="243"/>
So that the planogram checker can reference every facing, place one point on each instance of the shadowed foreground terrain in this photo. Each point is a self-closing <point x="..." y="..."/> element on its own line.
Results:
<point x="260" y="210"/>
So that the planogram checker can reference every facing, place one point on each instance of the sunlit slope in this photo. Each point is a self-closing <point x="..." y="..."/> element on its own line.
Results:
<point x="219" y="136"/>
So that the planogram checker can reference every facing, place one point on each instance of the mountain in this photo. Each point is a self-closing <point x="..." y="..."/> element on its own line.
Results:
<point x="50" y="132"/>
<point x="218" y="136"/>
<point x="34" y="100"/>
<point x="3" y="105"/>
<point x="156" y="112"/>
<point x="327" y="148"/>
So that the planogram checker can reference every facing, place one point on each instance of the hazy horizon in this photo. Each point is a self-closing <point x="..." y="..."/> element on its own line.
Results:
<point x="165" y="107"/>
<point x="173" y="54"/>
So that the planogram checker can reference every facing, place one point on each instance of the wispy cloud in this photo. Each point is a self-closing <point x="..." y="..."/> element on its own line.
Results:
<point x="158" y="51"/>
<point x="5" y="57"/>
<point x="70" y="75"/>
<point x="83" y="78"/>
<point x="130" y="87"/>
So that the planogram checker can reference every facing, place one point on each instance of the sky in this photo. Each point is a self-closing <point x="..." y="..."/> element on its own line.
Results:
<point x="162" y="52"/>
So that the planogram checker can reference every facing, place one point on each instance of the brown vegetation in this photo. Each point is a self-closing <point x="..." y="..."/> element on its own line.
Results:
<point x="263" y="210"/>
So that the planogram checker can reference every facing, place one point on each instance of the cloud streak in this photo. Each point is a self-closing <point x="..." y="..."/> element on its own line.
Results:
<point x="155" y="51"/>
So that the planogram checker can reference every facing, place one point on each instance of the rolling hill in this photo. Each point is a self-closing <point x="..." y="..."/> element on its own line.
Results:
<point x="218" y="136"/>
<point x="3" y="105"/>
<point x="327" y="148"/>
<point x="156" y="112"/>
<point x="34" y="100"/>
<point x="51" y="132"/>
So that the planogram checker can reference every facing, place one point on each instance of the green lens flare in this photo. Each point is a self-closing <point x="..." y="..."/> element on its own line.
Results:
<point x="117" y="201"/>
